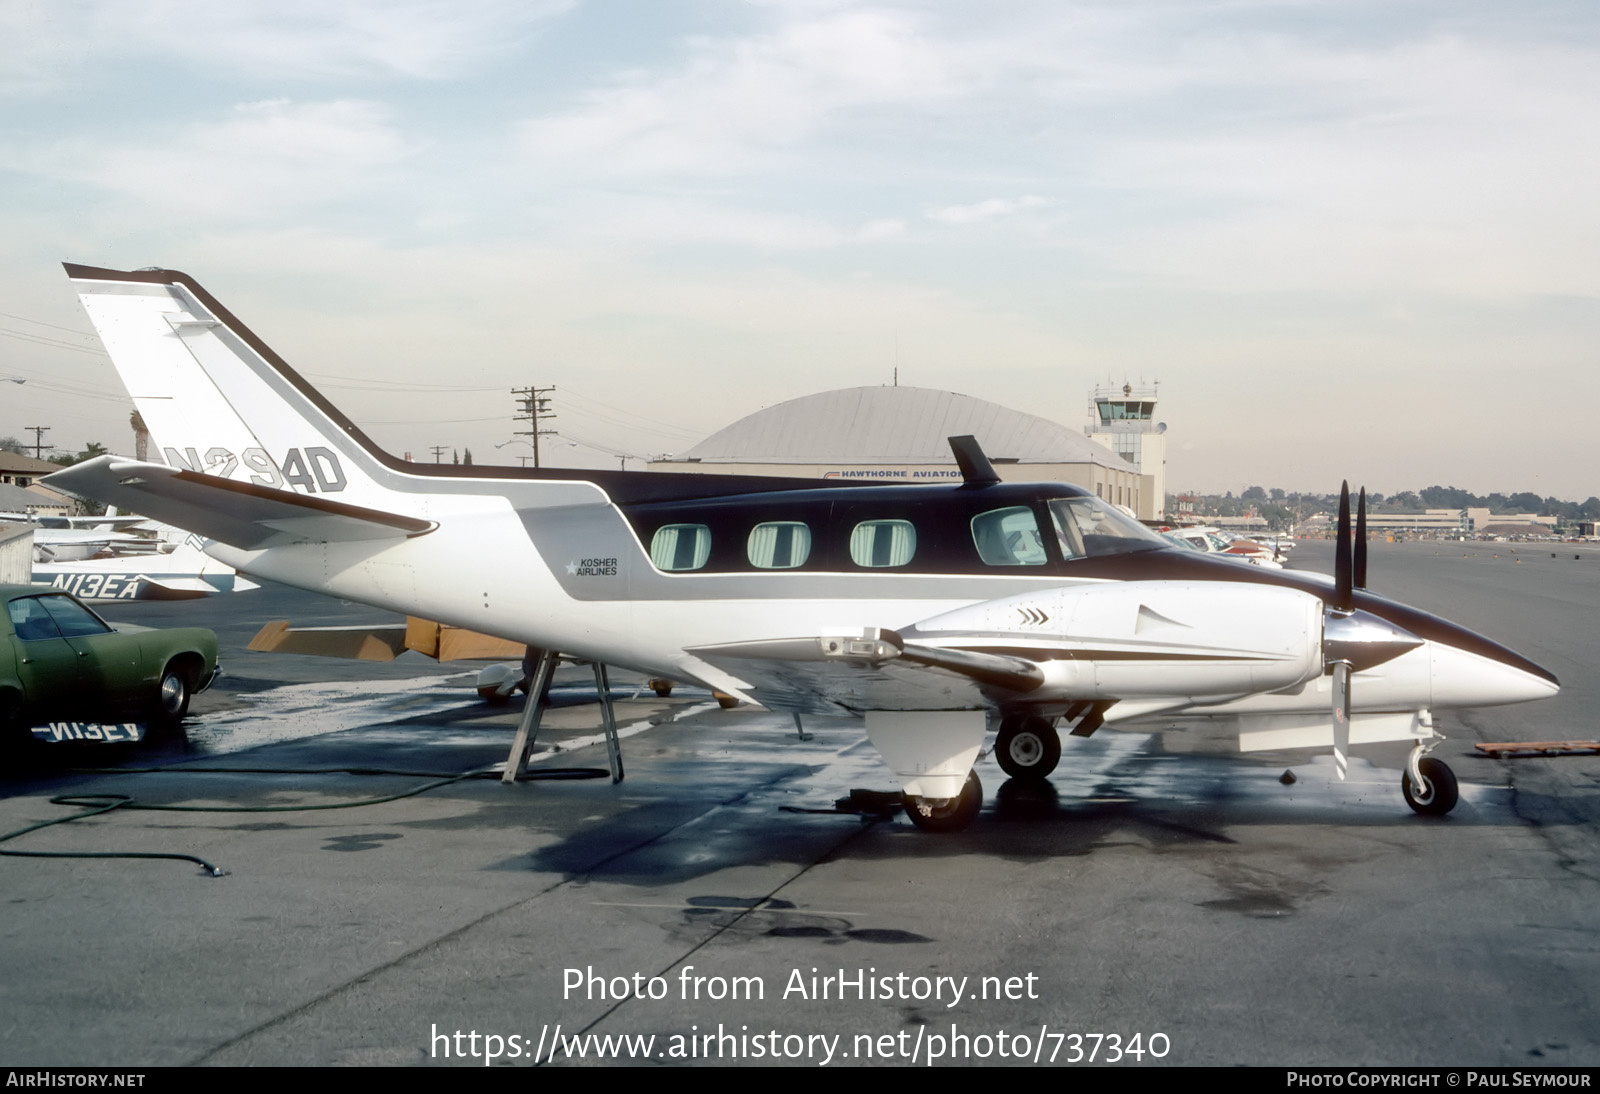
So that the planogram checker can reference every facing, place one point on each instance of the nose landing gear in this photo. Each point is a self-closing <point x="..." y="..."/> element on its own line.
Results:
<point x="1429" y="786"/>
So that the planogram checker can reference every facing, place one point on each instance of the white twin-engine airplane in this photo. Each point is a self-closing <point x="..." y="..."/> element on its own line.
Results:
<point x="927" y="611"/>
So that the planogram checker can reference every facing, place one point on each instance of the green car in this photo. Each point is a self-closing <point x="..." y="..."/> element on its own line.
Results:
<point x="62" y="663"/>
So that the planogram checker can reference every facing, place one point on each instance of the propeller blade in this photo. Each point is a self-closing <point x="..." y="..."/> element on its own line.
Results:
<point x="1343" y="569"/>
<point x="1341" y="718"/>
<point x="1360" y="566"/>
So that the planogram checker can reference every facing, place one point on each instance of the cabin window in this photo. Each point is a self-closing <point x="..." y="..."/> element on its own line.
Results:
<point x="881" y="543"/>
<point x="779" y="545"/>
<point x="681" y="547"/>
<point x="1008" y="537"/>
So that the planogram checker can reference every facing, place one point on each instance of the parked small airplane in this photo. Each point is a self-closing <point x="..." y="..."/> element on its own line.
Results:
<point x="56" y="539"/>
<point x="184" y="573"/>
<point x="927" y="611"/>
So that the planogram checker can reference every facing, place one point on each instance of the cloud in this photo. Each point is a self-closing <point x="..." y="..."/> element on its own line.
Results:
<point x="740" y="103"/>
<point x="263" y="159"/>
<point x="65" y="41"/>
<point x="984" y="210"/>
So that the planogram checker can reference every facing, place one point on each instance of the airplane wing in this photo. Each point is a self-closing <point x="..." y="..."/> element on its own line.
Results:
<point x="238" y="514"/>
<point x="874" y="671"/>
<point x="1154" y="645"/>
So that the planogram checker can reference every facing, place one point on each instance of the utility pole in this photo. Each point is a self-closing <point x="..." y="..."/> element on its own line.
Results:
<point x="438" y="453"/>
<point x="535" y="403"/>
<point x="38" y="432"/>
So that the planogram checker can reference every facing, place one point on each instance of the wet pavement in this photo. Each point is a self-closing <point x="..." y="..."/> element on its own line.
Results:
<point x="1163" y="900"/>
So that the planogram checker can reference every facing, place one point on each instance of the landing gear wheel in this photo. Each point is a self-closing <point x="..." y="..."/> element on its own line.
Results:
<point x="662" y="688"/>
<point x="949" y="814"/>
<point x="172" y="697"/>
<point x="1027" y="747"/>
<point x="1439" y="792"/>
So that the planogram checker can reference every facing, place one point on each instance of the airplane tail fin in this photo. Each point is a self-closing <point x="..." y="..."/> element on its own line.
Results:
<point x="218" y="400"/>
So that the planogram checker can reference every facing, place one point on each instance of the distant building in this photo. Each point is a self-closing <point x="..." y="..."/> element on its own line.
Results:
<point x="901" y="434"/>
<point x="17" y="470"/>
<point x="1470" y="521"/>
<point x="1123" y="419"/>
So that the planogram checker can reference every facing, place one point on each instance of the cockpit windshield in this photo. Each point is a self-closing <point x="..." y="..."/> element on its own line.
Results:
<point x="1089" y="528"/>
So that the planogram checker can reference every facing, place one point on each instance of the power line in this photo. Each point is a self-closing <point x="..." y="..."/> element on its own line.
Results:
<point x="38" y="432"/>
<point x="535" y="402"/>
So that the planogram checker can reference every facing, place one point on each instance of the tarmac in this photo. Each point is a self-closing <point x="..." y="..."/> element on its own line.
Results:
<point x="1164" y="901"/>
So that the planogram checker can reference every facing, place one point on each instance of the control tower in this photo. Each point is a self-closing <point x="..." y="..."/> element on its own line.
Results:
<point x="1123" y="419"/>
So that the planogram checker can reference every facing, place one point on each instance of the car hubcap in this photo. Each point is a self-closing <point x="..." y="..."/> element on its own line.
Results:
<point x="171" y="692"/>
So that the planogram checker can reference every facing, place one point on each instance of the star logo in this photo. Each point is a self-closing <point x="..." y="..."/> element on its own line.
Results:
<point x="572" y="568"/>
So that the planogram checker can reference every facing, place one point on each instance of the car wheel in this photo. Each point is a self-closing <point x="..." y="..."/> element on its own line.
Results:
<point x="172" y="697"/>
<point x="13" y="730"/>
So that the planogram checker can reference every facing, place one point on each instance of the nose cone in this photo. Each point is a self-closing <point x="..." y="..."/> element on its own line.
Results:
<point x="1477" y="678"/>
<point x="1467" y="669"/>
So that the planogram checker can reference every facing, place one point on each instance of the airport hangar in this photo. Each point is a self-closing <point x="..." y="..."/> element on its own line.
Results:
<point x="901" y="434"/>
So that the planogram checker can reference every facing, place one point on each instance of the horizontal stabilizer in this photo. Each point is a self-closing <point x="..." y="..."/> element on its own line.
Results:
<point x="169" y="587"/>
<point x="238" y="514"/>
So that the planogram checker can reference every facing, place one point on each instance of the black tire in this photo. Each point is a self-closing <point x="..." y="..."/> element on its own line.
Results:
<point x="492" y="696"/>
<point x="1027" y="747"/>
<point x="948" y="816"/>
<point x="14" y="731"/>
<point x="172" y="697"/>
<point x="1440" y="793"/>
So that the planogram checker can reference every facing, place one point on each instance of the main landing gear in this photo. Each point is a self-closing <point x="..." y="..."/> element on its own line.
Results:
<point x="1027" y="746"/>
<point x="947" y="814"/>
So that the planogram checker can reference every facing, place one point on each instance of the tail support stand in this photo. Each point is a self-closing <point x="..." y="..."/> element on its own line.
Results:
<point x="532" y="712"/>
<point x="613" y="747"/>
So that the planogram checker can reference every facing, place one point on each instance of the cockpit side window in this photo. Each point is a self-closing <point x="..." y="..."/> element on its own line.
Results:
<point x="1068" y="538"/>
<point x="883" y="543"/>
<point x="1089" y="528"/>
<point x="1008" y="537"/>
<point x="680" y="547"/>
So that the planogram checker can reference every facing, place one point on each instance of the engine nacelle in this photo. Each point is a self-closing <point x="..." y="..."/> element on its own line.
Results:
<point x="1146" y="639"/>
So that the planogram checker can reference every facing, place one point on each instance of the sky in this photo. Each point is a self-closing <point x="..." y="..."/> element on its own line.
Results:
<point x="1348" y="239"/>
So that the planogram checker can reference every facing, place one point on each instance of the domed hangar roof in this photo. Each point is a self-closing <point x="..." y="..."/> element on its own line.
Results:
<point x="900" y="425"/>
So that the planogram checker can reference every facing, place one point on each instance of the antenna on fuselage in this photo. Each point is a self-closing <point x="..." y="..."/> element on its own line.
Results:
<point x="976" y="470"/>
